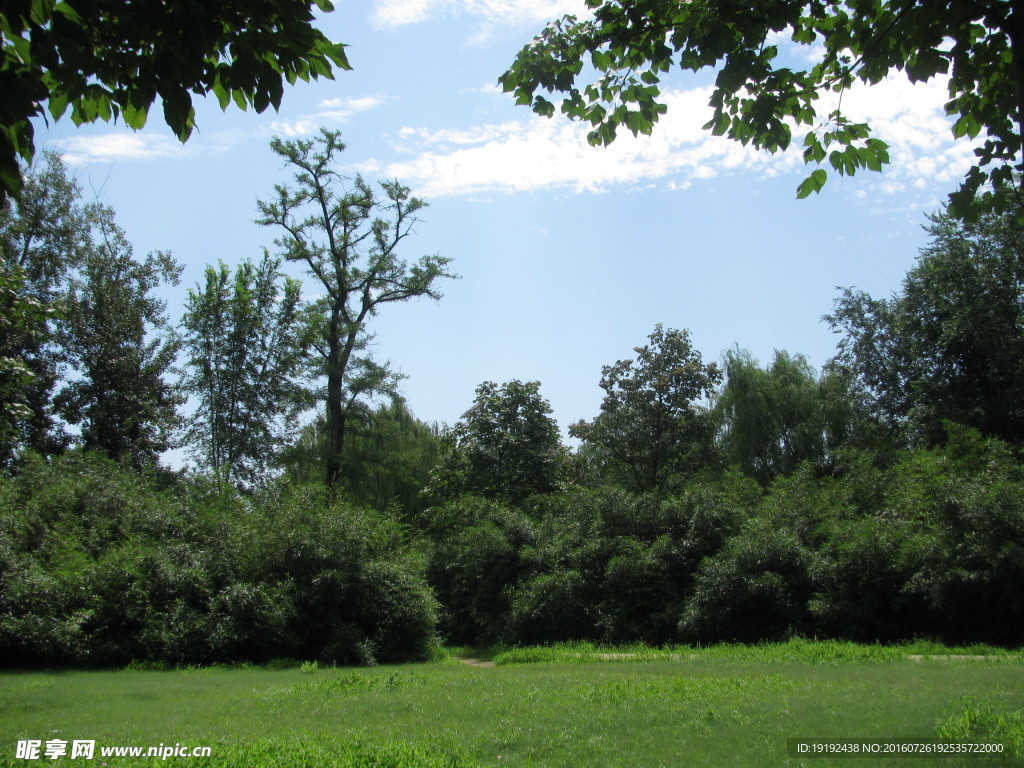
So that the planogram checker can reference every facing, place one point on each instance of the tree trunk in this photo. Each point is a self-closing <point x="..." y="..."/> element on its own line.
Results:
<point x="335" y="407"/>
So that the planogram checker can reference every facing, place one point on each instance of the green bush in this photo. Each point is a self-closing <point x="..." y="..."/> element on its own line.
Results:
<point x="755" y="589"/>
<point x="476" y="562"/>
<point x="100" y="566"/>
<point x="550" y="607"/>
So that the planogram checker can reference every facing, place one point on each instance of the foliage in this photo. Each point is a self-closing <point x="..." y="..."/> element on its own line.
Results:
<point x="651" y="428"/>
<point x="506" y="446"/>
<point x="951" y="345"/>
<point x="246" y="340"/>
<point x="45" y="234"/>
<point x="599" y="564"/>
<point x="387" y="461"/>
<point x="98" y="566"/>
<point x="102" y="335"/>
<point x="348" y="238"/>
<point x="22" y="326"/>
<point x="476" y="560"/>
<point x="775" y="418"/>
<point x="755" y="589"/>
<point x="115" y="336"/>
<point x="103" y="63"/>
<point x="760" y="98"/>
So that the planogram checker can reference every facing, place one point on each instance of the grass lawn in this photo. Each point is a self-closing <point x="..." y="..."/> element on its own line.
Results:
<point x="569" y="706"/>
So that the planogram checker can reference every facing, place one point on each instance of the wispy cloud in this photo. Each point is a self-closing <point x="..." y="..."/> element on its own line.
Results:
<point x="109" y="147"/>
<point x="397" y="13"/>
<point x="332" y="112"/>
<point x="538" y="153"/>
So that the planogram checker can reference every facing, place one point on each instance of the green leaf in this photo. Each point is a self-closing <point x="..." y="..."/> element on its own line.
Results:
<point x="812" y="183"/>
<point x="57" y="105"/>
<point x="134" y="117"/>
<point x="966" y="125"/>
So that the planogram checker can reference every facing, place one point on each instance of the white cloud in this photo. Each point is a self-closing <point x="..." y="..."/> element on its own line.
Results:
<point x="108" y="147"/>
<point x="538" y="153"/>
<point x="396" y="13"/>
<point x="332" y="111"/>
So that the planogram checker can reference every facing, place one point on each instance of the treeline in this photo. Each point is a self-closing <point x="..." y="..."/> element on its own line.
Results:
<point x="880" y="499"/>
<point x="931" y="545"/>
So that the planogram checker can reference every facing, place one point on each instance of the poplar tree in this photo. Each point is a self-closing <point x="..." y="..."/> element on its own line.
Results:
<point x="246" y="339"/>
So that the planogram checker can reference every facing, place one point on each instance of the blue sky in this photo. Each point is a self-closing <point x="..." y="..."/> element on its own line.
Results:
<point x="569" y="255"/>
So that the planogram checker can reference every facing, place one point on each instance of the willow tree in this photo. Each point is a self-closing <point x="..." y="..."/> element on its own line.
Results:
<point x="348" y="236"/>
<point x="777" y="417"/>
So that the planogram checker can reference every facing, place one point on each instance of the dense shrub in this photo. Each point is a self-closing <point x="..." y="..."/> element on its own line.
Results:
<point x="863" y="578"/>
<point x="476" y="561"/>
<point x="98" y="566"/>
<point x="755" y="589"/>
<point x="598" y="564"/>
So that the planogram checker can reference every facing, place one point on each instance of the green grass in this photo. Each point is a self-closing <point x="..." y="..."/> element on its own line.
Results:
<point x="797" y="649"/>
<point x="574" y="706"/>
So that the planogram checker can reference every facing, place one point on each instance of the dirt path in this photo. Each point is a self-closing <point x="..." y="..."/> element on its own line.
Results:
<point x="477" y="662"/>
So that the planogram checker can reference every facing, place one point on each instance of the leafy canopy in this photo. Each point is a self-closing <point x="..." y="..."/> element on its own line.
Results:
<point x="506" y="446"/>
<point x="652" y="428"/>
<point x="950" y="346"/>
<point x="759" y="99"/>
<point x="101" y="60"/>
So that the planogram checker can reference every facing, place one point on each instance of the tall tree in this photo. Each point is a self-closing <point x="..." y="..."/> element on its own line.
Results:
<point x="776" y="417"/>
<point x="247" y="341"/>
<point x="116" y="339"/>
<point x="506" y="446"/>
<point x="951" y="345"/>
<point x="45" y="234"/>
<point x="759" y="96"/>
<point x="104" y="60"/>
<point x="652" y="426"/>
<point x="22" y="326"/>
<point x="349" y="239"/>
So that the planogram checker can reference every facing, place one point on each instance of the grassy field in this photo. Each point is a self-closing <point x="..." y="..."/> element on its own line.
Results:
<point x="563" y="706"/>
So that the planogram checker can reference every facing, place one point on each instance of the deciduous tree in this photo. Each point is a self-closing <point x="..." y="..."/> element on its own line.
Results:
<point x="951" y="344"/>
<point x="652" y="426"/>
<point x="349" y="239"/>
<point x="22" y="325"/>
<point x="761" y="98"/>
<point x="247" y="341"/>
<point x="45" y="234"/>
<point x="506" y="446"/>
<point x="116" y="339"/>
<point x="105" y="60"/>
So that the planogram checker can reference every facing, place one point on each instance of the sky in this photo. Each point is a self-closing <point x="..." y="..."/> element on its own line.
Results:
<point x="568" y="255"/>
